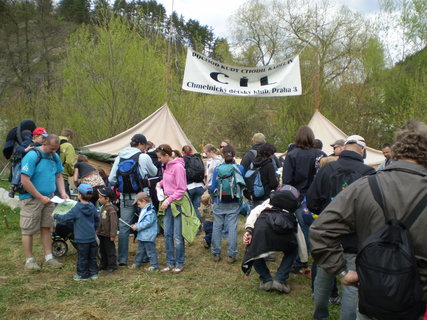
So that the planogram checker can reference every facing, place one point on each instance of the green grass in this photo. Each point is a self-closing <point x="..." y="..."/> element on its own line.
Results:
<point x="204" y="290"/>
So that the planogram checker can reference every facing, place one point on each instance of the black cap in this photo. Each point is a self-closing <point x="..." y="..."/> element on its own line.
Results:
<point x="107" y="192"/>
<point x="139" y="138"/>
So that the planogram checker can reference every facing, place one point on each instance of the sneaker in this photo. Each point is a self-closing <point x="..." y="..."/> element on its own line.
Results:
<point x="79" y="278"/>
<point x="31" y="266"/>
<point x="134" y="266"/>
<point x="231" y="260"/>
<point x="11" y="194"/>
<point x="216" y="258"/>
<point x="281" y="287"/>
<point x="178" y="269"/>
<point x="266" y="286"/>
<point x="53" y="263"/>
<point x="336" y="301"/>
<point x="151" y="268"/>
<point x="94" y="277"/>
<point x="167" y="268"/>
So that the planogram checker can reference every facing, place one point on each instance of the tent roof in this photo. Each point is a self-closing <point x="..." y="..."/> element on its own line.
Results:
<point x="159" y="127"/>
<point x="328" y="133"/>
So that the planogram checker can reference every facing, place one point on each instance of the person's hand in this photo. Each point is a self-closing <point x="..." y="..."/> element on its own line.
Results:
<point x="247" y="238"/>
<point x="64" y="196"/>
<point x="113" y="239"/>
<point x="29" y="148"/>
<point x="44" y="200"/>
<point x="351" y="279"/>
<point x="164" y="205"/>
<point x="158" y="186"/>
<point x="133" y="227"/>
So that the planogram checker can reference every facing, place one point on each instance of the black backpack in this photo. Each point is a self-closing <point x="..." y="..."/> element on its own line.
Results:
<point x="341" y="178"/>
<point x="194" y="168"/>
<point x="129" y="179"/>
<point x="389" y="282"/>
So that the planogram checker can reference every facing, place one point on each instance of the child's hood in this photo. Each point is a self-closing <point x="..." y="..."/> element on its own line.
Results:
<point x="87" y="209"/>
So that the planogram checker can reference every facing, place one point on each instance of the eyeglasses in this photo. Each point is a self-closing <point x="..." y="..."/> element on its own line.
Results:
<point x="221" y="147"/>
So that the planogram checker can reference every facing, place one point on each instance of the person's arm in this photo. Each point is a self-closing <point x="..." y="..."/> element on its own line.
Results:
<point x="29" y="187"/>
<point x="213" y="183"/>
<point x="69" y="158"/>
<point x="272" y="180"/>
<point x="247" y="159"/>
<point x="76" y="177"/>
<point x="113" y="224"/>
<point x="288" y="170"/>
<point x="317" y="195"/>
<point x="146" y="163"/>
<point x="112" y="177"/>
<point x="69" y="216"/>
<point x="147" y="221"/>
<point x="60" y="186"/>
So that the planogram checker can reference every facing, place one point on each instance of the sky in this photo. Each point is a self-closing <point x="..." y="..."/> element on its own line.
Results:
<point x="215" y="13"/>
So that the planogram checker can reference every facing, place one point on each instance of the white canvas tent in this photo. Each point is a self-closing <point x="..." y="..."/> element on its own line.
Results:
<point x="159" y="127"/>
<point x="328" y="133"/>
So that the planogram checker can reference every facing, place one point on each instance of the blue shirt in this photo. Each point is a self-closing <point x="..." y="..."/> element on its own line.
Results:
<point x="42" y="175"/>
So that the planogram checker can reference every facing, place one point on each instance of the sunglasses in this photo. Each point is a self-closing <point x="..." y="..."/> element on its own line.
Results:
<point x="221" y="147"/>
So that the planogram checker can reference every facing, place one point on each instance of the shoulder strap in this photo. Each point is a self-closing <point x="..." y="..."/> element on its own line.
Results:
<point x="409" y="221"/>
<point x="376" y="191"/>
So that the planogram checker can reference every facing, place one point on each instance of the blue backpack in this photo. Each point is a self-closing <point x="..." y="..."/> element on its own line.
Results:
<point x="129" y="179"/>
<point x="254" y="187"/>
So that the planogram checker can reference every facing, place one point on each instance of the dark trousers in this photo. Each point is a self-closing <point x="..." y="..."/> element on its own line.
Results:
<point x="107" y="249"/>
<point x="86" y="260"/>
<point x="208" y="227"/>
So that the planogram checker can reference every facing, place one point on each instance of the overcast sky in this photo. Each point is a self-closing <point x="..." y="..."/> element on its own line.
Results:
<point x="215" y="13"/>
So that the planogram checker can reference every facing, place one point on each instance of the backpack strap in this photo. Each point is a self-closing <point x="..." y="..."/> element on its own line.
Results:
<point x="376" y="191"/>
<point x="409" y="221"/>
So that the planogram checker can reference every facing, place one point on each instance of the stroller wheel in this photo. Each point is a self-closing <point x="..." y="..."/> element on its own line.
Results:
<point x="59" y="248"/>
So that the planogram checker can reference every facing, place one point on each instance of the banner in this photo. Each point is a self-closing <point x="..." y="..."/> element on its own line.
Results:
<point x="205" y="75"/>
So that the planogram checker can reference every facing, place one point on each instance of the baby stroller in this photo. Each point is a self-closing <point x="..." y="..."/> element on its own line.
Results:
<point x="62" y="233"/>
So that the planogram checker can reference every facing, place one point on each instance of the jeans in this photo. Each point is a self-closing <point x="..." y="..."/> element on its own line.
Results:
<point x="147" y="248"/>
<point x="305" y="230"/>
<point x="195" y="195"/>
<point x="323" y="285"/>
<point x="107" y="249"/>
<point x="16" y="174"/>
<point x="174" y="241"/>
<point x="208" y="227"/>
<point x="225" y="214"/>
<point x="282" y="272"/>
<point x="86" y="259"/>
<point x="128" y="213"/>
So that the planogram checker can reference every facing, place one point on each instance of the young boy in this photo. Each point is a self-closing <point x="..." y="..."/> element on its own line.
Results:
<point x="107" y="230"/>
<point x="207" y="216"/>
<point x="85" y="219"/>
<point x="147" y="232"/>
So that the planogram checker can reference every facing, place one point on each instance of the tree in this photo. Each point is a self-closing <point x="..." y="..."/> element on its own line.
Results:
<point x="74" y="10"/>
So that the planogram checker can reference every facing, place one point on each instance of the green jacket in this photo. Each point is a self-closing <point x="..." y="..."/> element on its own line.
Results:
<point x="190" y="222"/>
<point x="68" y="157"/>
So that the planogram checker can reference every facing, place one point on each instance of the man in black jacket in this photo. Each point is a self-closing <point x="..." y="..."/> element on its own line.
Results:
<point x="329" y="181"/>
<point x="257" y="141"/>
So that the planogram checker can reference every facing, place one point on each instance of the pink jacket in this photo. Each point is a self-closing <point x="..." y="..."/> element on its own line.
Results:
<point x="174" y="181"/>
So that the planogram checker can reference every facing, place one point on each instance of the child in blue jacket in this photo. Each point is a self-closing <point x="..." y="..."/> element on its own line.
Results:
<point x="85" y="220"/>
<point x="147" y="232"/>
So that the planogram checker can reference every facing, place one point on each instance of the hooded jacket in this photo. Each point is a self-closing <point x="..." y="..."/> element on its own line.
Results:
<point x="146" y="166"/>
<point x="85" y="220"/>
<point x="68" y="156"/>
<point x="250" y="156"/>
<point x="174" y="182"/>
<point x="268" y="176"/>
<point x="147" y="224"/>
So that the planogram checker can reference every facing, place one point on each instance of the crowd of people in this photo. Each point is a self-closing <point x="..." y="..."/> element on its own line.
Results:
<point x="304" y="203"/>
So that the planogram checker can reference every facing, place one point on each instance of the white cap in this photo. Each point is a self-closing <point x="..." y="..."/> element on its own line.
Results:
<point x="356" y="140"/>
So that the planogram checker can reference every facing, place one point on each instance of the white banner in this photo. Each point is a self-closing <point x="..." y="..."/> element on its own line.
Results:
<point x="205" y="75"/>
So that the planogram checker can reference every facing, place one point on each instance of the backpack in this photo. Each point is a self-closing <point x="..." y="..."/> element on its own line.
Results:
<point x="129" y="179"/>
<point x="228" y="183"/>
<point x="254" y="187"/>
<point x="341" y="178"/>
<point x="194" y="168"/>
<point x="14" y="137"/>
<point x="390" y="285"/>
<point x="61" y="141"/>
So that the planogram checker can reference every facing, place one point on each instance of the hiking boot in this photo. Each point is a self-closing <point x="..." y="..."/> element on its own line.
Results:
<point x="281" y="287"/>
<point x="336" y="301"/>
<point x="178" y="269"/>
<point x="231" y="260"/>
<point x="53" y="263"/>
<point x="122" y="264"/>
<point x="216" y="258"/>
<point x="94" y="277"/>
<point x="79" y="278"/>
<point x="167" y="268"/>
<point x="151" y="268"/>
<point x="205" y="244"/>
<point x="31" y="266"/>
<point x="266" y="286"/>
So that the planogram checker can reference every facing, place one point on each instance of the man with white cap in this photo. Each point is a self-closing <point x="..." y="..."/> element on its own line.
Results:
<point x="330" y="180"/>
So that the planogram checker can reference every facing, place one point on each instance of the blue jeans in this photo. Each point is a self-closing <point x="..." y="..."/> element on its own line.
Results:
<point x="282" y="272"/>
<point x="195" y="195"/>
<point x="323" y="285"/>
<point x="147" y="248"/>
<point x="86" y="259"/>
<point x="225" y="214"/>
<point x="128" y="212"/>
<point x="16" y="174"/>
<point x="174" y="241"/>
<point x="208" y="227"/>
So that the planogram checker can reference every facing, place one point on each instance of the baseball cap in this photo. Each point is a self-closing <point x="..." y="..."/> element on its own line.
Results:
<point x="107" y="192"/>
<point x="258" y="138"/>
<point x="40" y="131"/>
<point x="356" y="139"/>
<point x="139" y="138"/>
<point x="339" y="142"/>
<point x="85" y="188"/>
